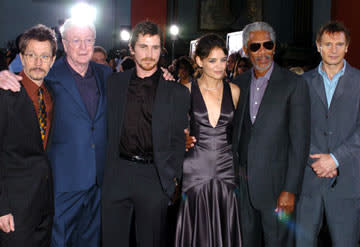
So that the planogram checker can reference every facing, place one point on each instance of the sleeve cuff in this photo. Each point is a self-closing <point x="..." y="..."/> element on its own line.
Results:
<point x="336" y="161"/>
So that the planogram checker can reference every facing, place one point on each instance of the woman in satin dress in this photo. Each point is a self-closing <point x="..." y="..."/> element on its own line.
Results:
<point x="209" y="213"/>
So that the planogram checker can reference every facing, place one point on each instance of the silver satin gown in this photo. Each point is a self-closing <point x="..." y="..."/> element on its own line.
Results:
<point x="209" y="213"/>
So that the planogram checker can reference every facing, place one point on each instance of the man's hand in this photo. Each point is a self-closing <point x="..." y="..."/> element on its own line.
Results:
<point x="190" y="140"/>
<point x="285" y="204"/>
<point x="10" y="81"/>
<point x="7" y="223"/>
<point x="324" y="166"/>
<point x="167" y="75"/>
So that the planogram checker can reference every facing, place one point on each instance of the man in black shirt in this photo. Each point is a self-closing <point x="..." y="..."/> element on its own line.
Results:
<point x="146" y="120"/>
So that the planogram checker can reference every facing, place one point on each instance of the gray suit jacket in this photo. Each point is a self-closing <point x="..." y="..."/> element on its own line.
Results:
<point x="335" y="130"/>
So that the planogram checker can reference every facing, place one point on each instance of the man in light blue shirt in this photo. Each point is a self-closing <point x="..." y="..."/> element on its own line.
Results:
<point x="331" y="185"/>
<point x="330" y="86"/>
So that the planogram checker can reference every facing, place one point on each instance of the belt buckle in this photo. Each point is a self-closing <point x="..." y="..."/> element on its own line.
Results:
<point x="142" y="159"/>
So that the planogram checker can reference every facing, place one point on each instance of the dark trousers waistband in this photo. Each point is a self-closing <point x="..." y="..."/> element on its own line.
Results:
<point x="138" y="159"/>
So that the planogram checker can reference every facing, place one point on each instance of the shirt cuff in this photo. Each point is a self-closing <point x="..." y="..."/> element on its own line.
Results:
<point x="336" y="161"/>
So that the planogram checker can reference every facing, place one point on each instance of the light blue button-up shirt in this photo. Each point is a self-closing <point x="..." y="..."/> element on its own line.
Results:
<point x="330" y="86"/>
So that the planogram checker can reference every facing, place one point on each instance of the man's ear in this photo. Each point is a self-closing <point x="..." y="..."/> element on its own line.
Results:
<point x="318" y="46"/>
<point x="131" y="50"/>
<point x="245" y="51"/>
<point x="53" y="61"/>
<point x="21" y="58"/>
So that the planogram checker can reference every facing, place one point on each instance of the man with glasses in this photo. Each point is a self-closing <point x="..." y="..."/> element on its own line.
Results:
<point x="26" y="189"/>
<point x="270" y="141"/>
<point x="78" y="138"/>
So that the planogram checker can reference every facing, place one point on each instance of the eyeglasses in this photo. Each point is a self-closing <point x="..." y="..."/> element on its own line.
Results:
<point x="268" y="45"/>
<point x="31" y="57"/>
<point x="77" y="42"/>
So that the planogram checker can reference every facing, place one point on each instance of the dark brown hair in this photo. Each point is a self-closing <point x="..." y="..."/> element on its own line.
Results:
<point x="331" y="28"/>
<point x="208" y="42"/>
<point x="143" y="28"/>
<point x="40" y="33"/>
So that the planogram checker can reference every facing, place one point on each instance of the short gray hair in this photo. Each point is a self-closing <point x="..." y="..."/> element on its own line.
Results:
<point x="257" y="26"/>
<point x="69" y="23"/>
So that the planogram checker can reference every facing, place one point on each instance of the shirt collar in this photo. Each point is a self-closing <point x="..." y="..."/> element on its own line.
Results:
<point x="31" y="87"/>
<point x="323" y="73"/>
<point x="266" y="76"/>
<point x="153" y="77"/>
<point x="74" y="73"/>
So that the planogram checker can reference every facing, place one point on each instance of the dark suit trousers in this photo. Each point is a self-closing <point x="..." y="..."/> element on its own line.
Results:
<point x="262" y="226"/>
<point x="132" y="195"/>
<point x="29" y="235"/>
<point x="342" y="216"/>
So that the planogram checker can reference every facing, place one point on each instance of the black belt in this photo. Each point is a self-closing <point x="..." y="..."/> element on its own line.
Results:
<point x="138" y="159"/>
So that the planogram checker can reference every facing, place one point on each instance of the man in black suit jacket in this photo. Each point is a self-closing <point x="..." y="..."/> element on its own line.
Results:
<point x="271" y="141"/>
<point x="26" y="195"/>
<point x="146" y="143"/>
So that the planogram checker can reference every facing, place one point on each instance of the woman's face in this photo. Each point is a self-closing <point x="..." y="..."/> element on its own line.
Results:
<point x="214" y="65"/>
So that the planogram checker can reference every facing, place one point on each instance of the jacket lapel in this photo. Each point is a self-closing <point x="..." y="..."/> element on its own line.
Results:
<point x="341" y="85"/>
<point x="122" y="91"/>
<point x="159" y="111"/>
<point x="317" y="83"/>
<point x="67" y="81"/>
<point x="270" y="90"/>
<point x="99" y="77"/>
<point x="243" y="103"/>
<point x="52" y="125"/>
<point x="33" y="115"/>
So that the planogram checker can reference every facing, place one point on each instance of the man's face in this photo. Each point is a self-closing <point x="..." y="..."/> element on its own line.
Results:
<point x="37" y="60"/>
<point x="99" y="57"/>
<point x="146" y="52"/>
<point x="332" y="47"/>
<point x="79" y="45"/>
<point x="263" y="57"/>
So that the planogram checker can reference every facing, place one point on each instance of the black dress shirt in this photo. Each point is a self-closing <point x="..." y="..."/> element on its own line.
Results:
<point x="88" y="89"/>
<point x="136" y="133"/>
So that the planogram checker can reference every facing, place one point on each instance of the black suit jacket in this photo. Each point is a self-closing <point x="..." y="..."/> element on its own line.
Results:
<point x="169" y="119"/>
<point x="279" y="143"/>
<point x="26" y="181"/>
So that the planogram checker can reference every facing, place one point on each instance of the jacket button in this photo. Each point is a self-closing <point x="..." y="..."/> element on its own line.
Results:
<point x="92" y="128"/>
<point x="325" y="133"/>
<point x="92" y="146"/>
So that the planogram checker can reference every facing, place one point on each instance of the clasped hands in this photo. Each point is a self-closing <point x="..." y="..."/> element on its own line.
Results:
<point x="324" y="166"/>
<point x="7" y="223"/>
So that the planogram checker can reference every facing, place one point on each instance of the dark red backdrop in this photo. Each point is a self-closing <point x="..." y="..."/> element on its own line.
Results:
<point x="347" y="12"/>
<point x="152" y="10"/>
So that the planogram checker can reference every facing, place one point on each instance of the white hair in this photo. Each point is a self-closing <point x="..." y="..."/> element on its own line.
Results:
<point x="69" y="23"/>
<point x="257" y="26"/>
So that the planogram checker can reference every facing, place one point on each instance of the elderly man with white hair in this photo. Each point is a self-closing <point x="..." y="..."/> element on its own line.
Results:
<point x="77" y="143"/>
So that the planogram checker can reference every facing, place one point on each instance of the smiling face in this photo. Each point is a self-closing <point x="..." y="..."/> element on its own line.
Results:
<point x="333" y="48"/>
<point x="37" y="60"/>
<point x="146" y="53"/>
<point x="79" y="45"/>
<point x="214" y="65"/>
<point x="262" y="58"/>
